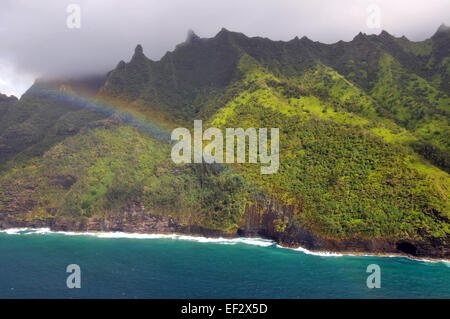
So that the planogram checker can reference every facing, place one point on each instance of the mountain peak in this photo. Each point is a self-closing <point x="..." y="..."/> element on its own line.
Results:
<point x="223" y="34"/>
<point x="6" y="98"/>
<point x="443" y="28"/>
<point x="121" y="65"/>
<point x="305" y="38"/>
<point x="442" y="32"/>
<point x="138" y="53"/>
<point x="139" y="49"/>
<point x="360" y="36"/>
<point x="191" y="36"/>
<point x="384" y="33"/>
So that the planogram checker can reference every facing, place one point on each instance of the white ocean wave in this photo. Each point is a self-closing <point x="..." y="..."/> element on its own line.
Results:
<point x="219" y="240"/>
<point x="314" y="253"/>
<point x="14" y="231"/>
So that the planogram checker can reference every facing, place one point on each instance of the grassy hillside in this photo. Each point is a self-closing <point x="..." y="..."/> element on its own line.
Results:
<point x="364" y="150"/>
<point x="338" y="169"/>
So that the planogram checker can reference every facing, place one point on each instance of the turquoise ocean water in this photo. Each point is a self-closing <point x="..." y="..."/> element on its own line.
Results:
<point x="33" y="265"/>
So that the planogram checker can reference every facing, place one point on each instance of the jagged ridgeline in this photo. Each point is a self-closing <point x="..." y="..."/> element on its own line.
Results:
<point x="364" y="144"/>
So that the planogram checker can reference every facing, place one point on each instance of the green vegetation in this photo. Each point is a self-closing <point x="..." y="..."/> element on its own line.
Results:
<point x="342" y="179"/>
<point x="364" y="139"/>
<point x="95" y="173"/>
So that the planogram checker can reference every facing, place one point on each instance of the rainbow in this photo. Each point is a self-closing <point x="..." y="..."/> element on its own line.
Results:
<point x="115" y="108"/>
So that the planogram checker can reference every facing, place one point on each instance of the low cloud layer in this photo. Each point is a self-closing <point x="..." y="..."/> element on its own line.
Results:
<point x="35" y="40"/>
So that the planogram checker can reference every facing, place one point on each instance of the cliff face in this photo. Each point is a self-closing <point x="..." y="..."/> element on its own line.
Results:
<point x="259" y="220"/>
<point x="364" y="153"/>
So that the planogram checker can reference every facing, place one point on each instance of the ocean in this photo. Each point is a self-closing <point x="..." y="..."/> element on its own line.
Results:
<point x="115" y="265"/>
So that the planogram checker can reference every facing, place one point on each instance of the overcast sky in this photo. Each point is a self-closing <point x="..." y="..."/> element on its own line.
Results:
<point x="35" y="40"/>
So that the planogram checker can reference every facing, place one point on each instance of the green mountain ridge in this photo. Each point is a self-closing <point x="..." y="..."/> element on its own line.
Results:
<point x="364" y="154"/>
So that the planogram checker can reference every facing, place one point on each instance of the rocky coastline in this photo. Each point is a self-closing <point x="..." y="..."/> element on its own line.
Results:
<point x="254" y="223"/>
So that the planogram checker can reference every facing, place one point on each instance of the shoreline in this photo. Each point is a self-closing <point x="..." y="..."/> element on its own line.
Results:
<point x="256" y="241"/>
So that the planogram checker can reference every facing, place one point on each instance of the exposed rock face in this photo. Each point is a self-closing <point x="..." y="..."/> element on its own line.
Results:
<point x="258" y="221"/>
<point x="193" y="82"/>
<point x="261" y="221"/>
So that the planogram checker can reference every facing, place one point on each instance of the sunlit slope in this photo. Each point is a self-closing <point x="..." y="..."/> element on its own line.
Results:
<point x="346" y="175"/>
<point x="103" y="172"/>
<point x="363" y="144"/>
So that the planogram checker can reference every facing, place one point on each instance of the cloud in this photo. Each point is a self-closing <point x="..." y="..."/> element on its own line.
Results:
<point x="13" y="82"/>
<point x="35" y="40"/>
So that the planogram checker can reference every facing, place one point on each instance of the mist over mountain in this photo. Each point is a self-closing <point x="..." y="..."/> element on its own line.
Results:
<point x="36" y="41"/>
<point x="364" y="157"/>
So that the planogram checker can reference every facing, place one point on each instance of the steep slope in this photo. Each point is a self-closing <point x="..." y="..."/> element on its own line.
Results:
<point x="44" y="116"/>
<point x="333" y="166"/>
<point x="416" y="105"/>
<point x="355" y="119"/>
<point x="185" y="83"/>
<point x="115" y="177"/>
<point x="405" y="79"/>
<point x="7" y="106"/>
